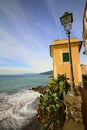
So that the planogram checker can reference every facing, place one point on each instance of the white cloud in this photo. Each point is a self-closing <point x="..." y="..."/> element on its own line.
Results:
<point x="19" y="52"/>
<point x="51" y="6"/>
<point x="20" y="70"/>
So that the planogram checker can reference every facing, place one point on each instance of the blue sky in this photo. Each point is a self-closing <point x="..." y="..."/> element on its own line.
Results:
<point x="28" y="28"/>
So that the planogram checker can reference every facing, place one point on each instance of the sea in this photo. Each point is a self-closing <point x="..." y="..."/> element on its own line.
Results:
<point x="18" y="102"/>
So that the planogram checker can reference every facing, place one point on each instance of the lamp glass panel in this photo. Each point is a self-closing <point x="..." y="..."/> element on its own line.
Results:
<point x="66" y="19"/>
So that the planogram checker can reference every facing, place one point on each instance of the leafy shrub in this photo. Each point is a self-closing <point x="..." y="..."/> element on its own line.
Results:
<point x="52" y="106"/>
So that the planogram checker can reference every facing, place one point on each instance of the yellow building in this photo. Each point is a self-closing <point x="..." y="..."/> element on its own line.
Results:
<point x="60" y="53"/>
<point x="85" y="29"/>
<point x="84" y="69"/>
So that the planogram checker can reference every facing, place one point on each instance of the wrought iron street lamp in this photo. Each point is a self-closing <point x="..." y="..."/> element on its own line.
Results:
<point x="66" y="21"/>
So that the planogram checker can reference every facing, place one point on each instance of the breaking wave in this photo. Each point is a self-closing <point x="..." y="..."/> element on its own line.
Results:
<point x="17" y="110"/>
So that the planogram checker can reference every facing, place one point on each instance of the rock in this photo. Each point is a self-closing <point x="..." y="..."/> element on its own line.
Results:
<point x="40" y="89"/>
<point x="73" y="110"/>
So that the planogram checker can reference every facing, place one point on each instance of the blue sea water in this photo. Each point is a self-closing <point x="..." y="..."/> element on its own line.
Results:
<point x="18" y="104"/>
<point x="15" y="83"/>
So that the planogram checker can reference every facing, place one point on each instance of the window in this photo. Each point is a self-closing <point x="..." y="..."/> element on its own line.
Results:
<point x="65" y="57"/>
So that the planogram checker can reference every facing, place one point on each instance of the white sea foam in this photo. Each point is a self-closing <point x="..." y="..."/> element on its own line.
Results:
<point x="17" y="110"/>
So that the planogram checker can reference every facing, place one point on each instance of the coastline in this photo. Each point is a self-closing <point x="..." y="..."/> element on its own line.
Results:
<point x="75" y="122"/>
<point x="18" y="110"/>
<point x="31" y="123"/>
<point x="34" y="124"/>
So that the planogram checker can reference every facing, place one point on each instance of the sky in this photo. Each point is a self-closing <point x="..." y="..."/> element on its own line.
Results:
<point x="29" y="27"/>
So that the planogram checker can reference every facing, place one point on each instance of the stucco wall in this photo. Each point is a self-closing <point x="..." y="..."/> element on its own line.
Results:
<point x="61" y="67"/>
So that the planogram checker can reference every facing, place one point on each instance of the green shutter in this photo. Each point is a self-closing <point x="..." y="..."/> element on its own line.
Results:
<point x="65" y="57"/>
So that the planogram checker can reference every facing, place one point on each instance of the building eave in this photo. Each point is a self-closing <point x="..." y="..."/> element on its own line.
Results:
<point x="57" y="45"/>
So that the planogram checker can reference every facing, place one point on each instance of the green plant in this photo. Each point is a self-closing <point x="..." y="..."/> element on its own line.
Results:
<point x="52" y="106"/>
